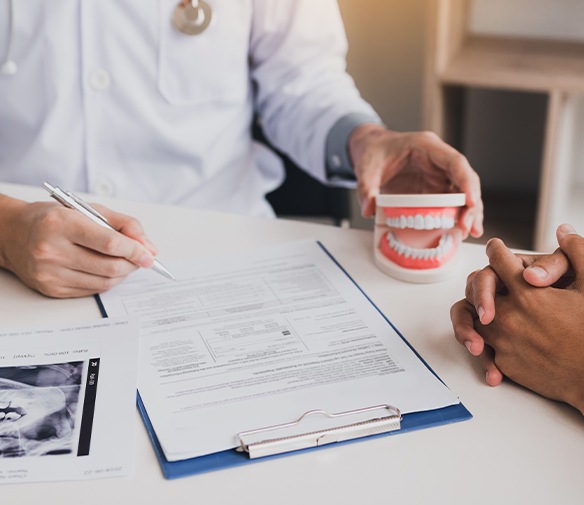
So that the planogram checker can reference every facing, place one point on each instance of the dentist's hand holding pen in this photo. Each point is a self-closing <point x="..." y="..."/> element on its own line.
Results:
<point x="59" y="252"/>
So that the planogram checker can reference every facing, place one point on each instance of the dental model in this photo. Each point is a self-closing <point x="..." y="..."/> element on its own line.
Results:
<point x="415" y="236"/>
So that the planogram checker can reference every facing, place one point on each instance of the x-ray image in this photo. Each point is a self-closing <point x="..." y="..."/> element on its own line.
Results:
<point x="38" y="406"/>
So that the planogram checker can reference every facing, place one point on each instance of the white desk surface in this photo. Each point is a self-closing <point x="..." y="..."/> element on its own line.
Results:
<point x="518" y="449"/>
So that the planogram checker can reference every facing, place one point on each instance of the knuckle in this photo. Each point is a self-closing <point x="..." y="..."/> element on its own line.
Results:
<point x="429" y="136"/>
<point x="53" y="217"/>
<point x="460" y="159"/>
<point x="114" y="269"/>
<point x="111" y="244"/>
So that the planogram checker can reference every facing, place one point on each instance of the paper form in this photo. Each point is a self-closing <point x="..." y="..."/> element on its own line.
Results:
<point x="67" y="397"/>
<point x="256" y="339"/>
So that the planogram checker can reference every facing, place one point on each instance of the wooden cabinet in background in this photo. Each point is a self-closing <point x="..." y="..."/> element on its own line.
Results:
<point x="459" y="60"/>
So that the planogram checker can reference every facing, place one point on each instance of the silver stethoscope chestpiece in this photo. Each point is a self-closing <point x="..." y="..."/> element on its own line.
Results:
<point x="192" y="17"/>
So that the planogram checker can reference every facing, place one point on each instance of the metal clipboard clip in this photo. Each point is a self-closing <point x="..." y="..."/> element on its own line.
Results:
<point x="385" y="418"/>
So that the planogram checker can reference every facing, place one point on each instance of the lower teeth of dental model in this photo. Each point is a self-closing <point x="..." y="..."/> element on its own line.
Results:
<point x="443" y="247"/>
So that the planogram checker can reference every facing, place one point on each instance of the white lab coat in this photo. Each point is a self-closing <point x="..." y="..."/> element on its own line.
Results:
<point x="110" y="98"/>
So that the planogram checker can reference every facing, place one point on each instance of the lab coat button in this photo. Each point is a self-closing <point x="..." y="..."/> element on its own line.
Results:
<point x="104" y="188"/>
<point x="99" y="80"/>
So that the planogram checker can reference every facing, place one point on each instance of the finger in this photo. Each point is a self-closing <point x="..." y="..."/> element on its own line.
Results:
<point x="78" y="276"/>
<point x="368" y="189"/>
<point x="506" y="265"/>
<point x="464" y="177"/>
<point x="493" y="375"/>
<point x="481" y="288"/>
<point x="75" y="284"/>
<point x="462" y="315"/>
<point x="544" y="270"/>
<point x="573" y="246"/>
<point x="109" y="242"/>
<point x="129" y="226"/>
<point x="87" y="261"/>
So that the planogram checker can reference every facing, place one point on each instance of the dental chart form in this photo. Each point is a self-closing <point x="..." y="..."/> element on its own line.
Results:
<point x="257" y="339"/>
<point x="67" y="400"/>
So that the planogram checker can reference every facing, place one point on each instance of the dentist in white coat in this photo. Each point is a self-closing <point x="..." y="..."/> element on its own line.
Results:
<point x="153" y="100"/>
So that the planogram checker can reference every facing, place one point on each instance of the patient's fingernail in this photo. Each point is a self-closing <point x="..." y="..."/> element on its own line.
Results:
<point x="481" y="313"/>
<point x="468" y="345"/>
<point x="487" y="377"/>
<point x="566" y="229"/>
<point x="540" y="272"/>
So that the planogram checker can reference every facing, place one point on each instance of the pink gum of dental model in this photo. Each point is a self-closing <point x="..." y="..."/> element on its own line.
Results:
<point x="416" y="239"/>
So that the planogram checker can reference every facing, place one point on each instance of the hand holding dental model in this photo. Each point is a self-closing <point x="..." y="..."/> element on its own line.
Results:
<point x="407" y="180"/>
<point x="389" y="162"/>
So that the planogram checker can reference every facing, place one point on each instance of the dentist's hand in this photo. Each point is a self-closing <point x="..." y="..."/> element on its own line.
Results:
<point x="420" y="162"/>
<point x="60" y="253"/>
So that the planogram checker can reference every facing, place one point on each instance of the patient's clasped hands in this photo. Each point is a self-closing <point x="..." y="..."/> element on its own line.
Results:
<point x="523" y="317"/>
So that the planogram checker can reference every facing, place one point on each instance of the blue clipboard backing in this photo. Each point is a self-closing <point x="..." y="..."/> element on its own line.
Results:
<point x="233" y="458"/>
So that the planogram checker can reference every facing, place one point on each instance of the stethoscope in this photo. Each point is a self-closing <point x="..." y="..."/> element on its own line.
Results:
<point x="191" y="17"/>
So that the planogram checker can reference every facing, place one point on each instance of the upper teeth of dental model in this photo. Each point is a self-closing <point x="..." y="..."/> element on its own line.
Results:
<point x="419" y="222"/>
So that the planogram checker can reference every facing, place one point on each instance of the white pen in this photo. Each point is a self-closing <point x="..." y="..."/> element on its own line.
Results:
<point x="68" y="199"/>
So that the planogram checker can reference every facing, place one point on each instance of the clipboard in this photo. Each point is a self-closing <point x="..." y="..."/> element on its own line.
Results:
<point x="234" y="458"/>
<point x="275" y="446"/>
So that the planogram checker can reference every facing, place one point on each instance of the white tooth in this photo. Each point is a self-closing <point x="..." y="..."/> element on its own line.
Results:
<point x="407" y="251"/>
<point x="401" y="248"/>
<point x="448" y="223"/>
<point x="13" y="416"/>
<point x="403" y="222"/>
<point x="410" y="221"/>
<point x="427" y="253"/>
<point x="4" y="405"/>
<point x="419" y="222"/>
<point x="2" y="415"/>
<point x="449" y="243"/>
<point x="429" y="222"/>
<point x="437" y="222"/>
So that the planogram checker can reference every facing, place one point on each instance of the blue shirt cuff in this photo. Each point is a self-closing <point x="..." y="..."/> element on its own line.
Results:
<point x="339" y="166"/>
